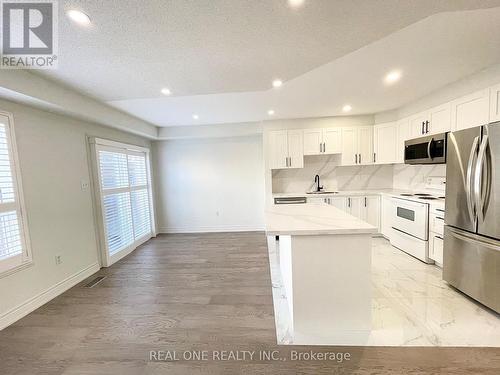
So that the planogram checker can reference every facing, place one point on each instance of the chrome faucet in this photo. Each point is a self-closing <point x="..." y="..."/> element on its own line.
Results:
<point x="316" y="181"/>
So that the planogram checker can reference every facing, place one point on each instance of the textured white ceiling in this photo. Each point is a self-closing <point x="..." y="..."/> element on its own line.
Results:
<point x="233" y="49"/>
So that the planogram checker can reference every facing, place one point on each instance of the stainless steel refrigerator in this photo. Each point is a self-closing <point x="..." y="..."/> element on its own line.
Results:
<point x="472" y="233"/>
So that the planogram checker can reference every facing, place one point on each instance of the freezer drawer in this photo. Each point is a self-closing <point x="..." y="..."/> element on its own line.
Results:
<point x="472" y="264"/>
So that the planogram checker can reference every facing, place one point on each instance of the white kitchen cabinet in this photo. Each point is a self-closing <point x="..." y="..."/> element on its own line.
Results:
<point x="365" y="145"/>
<point x="386" y="145"/>
<point x="436" y="249"/>
<point x="385" y="216"/>
<point x="439" y="119"/>
<point x="322" y="141"/>
<point x="349" y="146"/>
<point x="286" y="149"/>
<point x="357" y="145"/>
<point x="370" y="210"/>
<point x="417" y="124"/>
<point x="354" y="205"/>
<point x="434" y="121"/>
<point x="404" y="133"/>
<point x="471" y="110"/>
<point x="332" y="141"/>
<point x="339" y="202"/>
<point x="313" y="141"/>
<point x="495" y="103"/>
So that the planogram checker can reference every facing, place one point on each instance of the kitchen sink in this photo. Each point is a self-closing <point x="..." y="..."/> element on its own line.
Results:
<point x="322" y="192"/>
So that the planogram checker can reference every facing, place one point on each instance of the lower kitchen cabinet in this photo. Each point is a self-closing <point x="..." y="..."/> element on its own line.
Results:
<point x="436" y="249"/>
<point x="385" y="216"/>
<point x="366" y="208"/>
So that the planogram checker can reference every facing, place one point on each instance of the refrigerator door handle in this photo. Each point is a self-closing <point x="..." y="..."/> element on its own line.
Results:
<point x="471" y="208"/>
<point x="478" y="177"/>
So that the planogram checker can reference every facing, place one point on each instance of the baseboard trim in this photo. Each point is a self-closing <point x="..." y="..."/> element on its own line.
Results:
<point x="210" y="229"/>
<point x="42" y="298"/>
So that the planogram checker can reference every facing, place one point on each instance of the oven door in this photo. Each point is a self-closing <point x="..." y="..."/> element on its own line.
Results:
<point x="426" y="150"/>
<point x="411" y="218"/>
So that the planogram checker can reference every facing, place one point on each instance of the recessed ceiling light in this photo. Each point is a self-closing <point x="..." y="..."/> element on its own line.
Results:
<point x="79" y="17"/>
<point x="392" y="77"/>
<point x="166" y="91"/>
<point x="347" y="108"/>
<point x="277" y="83"/>
<point x="196" y="117"/>
<point x="270" y="112"/>
<point x="295" y="3"/>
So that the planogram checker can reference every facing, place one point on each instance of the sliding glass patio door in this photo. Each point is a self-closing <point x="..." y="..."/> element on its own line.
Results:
<point x="125" y="198"/>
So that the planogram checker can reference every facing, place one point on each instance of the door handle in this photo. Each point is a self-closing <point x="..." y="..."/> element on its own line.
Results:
<point x="468" y="181"/>
<point x="478" y="194"/>
<point x="429" y="146"/>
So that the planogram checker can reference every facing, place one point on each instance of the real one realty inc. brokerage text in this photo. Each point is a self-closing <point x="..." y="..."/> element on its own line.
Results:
<point x="247" y="355"/>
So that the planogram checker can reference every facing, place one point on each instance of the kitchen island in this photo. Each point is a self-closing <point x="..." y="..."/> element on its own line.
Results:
<point x="325" y="265"/>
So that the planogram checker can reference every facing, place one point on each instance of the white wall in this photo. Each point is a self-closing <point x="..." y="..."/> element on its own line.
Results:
<point x="211" y="184"/>
<point x="53" y="160"/>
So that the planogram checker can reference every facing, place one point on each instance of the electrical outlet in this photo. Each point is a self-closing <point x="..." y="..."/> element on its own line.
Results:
<point x="58" y="259"/>
<point x="84" y="185"/>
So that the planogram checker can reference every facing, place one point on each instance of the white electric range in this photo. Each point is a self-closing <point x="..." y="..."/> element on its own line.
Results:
<point x="414" y="219"/>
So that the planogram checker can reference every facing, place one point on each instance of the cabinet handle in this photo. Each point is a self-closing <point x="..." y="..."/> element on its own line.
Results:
<point x="439" y="237"/>
<point x="324" y="147"/>
<point x="374" y="157"/>
<point x="427" y="127"/>
<point x="359" y="158"/>
<point x="423" y="126"/>
<point x="356" y="157"/>
<point x="365" y="202"/>
<point x="289" y="161"/>
<point x="349" y="202"/>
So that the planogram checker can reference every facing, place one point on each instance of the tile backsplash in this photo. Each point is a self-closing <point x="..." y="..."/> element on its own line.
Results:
<point x="413" y="177"/>
<point x="333" y="176"/>
<point x="365" y="177"/>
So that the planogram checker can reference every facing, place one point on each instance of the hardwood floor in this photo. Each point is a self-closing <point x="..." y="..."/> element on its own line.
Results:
<point x="190" y="293"/>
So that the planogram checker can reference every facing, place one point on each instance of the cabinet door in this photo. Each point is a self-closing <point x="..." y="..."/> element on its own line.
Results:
<point x="404" y="133"/>
<point x="471" y="110"/>
<point x="417" y="124"/>
<point x="385" y="143"/>
<point x="436" y="249"/>
<point x="385" y="217"/>
<point x="339" y="202"/>
<point x="440" y="119"/>
<point x="296" y="148"/>
<point x="495" y="103"/>
<point x="365" y="145"/>
<point x="313" y="139"/>
<point x="349" y="146"/>
<point x="278" y="149"/>
<point x="332" y="138"/>
<point x="371" y="210"/>
<point x="354" y="206"/>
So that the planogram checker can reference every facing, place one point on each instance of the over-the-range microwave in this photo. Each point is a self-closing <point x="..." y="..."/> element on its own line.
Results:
<point x="426" y="150"/>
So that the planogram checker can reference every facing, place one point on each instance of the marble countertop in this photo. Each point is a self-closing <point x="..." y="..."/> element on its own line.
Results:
<point x="313" y="219"/>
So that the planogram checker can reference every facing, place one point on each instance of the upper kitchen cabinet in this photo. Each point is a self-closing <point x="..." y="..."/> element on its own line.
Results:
<point x="357" y="145"/>
<point x="434" y="121"/>
<point x="495" y="103"/>
<point x="286" y="149"/>
<point x="386" y="145"/>
<point x="322" y="141"/>
<point x="471" y="110"/>
<point x="404" y="133"/>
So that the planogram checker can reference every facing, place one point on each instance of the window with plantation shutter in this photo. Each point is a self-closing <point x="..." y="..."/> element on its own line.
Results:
<point x="14" y="243"/>
<point x="125" y="197"/>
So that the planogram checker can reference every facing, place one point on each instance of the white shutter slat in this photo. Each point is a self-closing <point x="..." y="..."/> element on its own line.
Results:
<point x="141" y="213"/>
<point x="118" y="221"/>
